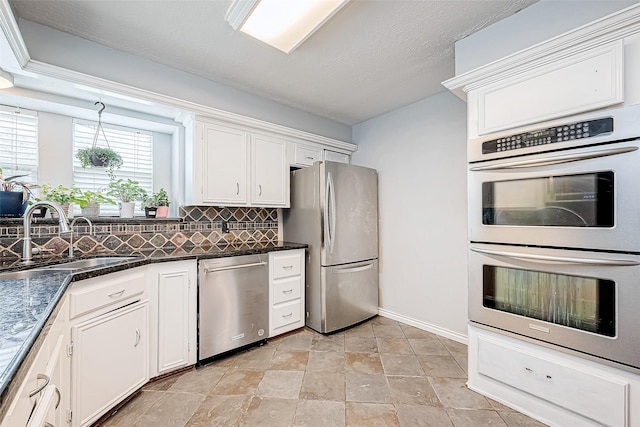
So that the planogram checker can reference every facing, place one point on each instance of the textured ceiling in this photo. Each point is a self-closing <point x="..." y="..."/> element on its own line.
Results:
<point x="370" y="58"/>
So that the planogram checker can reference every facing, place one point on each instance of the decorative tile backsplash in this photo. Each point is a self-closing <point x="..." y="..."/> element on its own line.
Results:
<point x="197" y="227"/>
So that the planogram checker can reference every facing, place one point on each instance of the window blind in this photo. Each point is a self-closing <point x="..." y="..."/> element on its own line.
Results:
<point x="19" y="143"/>
<point x="135" y="146"/>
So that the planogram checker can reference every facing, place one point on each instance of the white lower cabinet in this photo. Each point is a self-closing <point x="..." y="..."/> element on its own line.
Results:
<point x="172" y="290"/>
<point x="286" y="291"/>
<point x="554" y="387"/>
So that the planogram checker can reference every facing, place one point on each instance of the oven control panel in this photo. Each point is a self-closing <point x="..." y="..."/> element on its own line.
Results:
<point x="561" y="133"/>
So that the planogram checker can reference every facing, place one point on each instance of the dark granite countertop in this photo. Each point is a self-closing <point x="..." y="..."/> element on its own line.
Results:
<point x="28" y="303"/>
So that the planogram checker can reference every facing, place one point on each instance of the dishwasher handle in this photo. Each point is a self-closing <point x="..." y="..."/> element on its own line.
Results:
<point x="235" y="267"/>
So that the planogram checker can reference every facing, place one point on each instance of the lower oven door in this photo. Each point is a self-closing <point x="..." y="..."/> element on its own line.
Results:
<point x="577" y="300"/>
<point x="579" y="198"/>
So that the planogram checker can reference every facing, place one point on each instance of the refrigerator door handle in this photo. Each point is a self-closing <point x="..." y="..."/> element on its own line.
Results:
<point x="354" y="269"/>
<point x="330" y="206"/>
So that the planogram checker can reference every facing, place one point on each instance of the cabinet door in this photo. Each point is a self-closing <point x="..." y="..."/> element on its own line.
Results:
<point x="109" y="361"/>
<point x="224" y="165"/>
<point x="334" y="156"/>
<point x="173" y="320"/>
<point x="270" y="172"/>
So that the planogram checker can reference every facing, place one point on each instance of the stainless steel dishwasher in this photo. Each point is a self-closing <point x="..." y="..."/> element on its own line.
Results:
<point x="233" y="303"/>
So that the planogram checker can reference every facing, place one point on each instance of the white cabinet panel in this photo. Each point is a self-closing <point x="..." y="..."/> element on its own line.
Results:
<point x="334" y="156"/>
<point x="224" y="171"/>
<point x="306" y="156"/>
<point x="286" y="291"/>
<point x="270" y="172"/>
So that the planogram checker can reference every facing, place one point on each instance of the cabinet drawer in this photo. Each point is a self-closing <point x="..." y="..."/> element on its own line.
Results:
<point x="286" y="265"/>
<point x="105" y="291"/>
<point x="286" y="314"/>
<point x="565" y="386"/>
<point x="307" y="155"/>
<point x="287" y="289"/>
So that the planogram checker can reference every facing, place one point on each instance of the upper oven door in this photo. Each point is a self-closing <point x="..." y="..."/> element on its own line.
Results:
<point x="581" y="300"/>
<point x="585" y="198"/>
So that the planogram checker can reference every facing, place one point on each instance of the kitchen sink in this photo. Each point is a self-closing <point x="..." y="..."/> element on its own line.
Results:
<point x="25" y="274"/>
<point x="90" y="262"/>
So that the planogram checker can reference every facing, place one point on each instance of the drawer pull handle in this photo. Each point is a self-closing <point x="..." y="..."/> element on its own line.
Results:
<point x="48" y="424"/>
<point x="116" y="294"/>
<point x="42" y="387"/>
<point x="287" y="267"/>
<point x="137" y="337"/>
<point x="548" y="377"/>
<point x="287" y="315"/>
<point x="529" y="370"/>
<point x="309" y="157"/>
<point x="288" y="291"/>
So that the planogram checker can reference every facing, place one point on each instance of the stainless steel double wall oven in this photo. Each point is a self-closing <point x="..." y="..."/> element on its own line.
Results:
<point x="554" y="226"/>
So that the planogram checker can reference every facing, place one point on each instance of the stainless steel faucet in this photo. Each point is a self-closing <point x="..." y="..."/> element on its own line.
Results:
<point x="71" y="239"/>
<point x="26" y="223"/>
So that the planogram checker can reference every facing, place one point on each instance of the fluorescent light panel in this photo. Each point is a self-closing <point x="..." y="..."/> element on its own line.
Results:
<point x="283" y="24"/>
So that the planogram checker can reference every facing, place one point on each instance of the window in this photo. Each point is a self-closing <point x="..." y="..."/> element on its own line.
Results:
<point x="133" y="145"/>
<point x="19" y="143"/>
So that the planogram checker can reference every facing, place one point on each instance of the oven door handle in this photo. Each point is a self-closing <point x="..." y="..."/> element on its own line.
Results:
<point x="560" y="259"/>
<point x="555" y="160"/>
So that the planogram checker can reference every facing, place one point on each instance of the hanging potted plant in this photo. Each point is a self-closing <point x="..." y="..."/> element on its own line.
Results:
<point x="156" y="205"/>
<point x="99" y="156"/>
<point x="89" y="202"/>
<point x="14" y="195"/>
<point x="128" y="192"/>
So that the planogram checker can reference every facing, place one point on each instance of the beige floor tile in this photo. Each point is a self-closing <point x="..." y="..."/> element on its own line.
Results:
<point x="129" y="413"/>
<point x="220" y="411"/>
<point x="371" y="415"/>
<point x="380" y="320"/>
<point x="289" y="360"/>
<point x="463" y="361"/>
<point x="388" y="331"/>
<point x="401" y="364"/>
<point x="323" y="386"/>
<point x="171" y="410"/>
<point x="199" y="381"/>
<point x="422" y="416"/>
<point x="163" y="384"/>
<point x="453" y="393"/>
<point x="360" y="344"/>
<point x="475" y="417"/>
<point x="454" y="347"/>
<point x="413" y="391"/>
<point x="394" y="345"/>
<point x="432" y="347"/>
<point x="516" y="419"/>
<point x="499" y="406"/>
<point x="328" y="342"/>
<point x="319" y="413"/>
<point x="325" y="361"/>
<point x="257" y="358"/>
<point x="412" y="332"/>
<point x="441" y="366"/>
<point x="269" y="412"/>
<point x="367" y="388"/>
<point x="363" y="363"/>
<point x="280" y="384"/>
<point x="301" y="342"/>
<point x="238" y="381"/>
<point x="361" y="330"/>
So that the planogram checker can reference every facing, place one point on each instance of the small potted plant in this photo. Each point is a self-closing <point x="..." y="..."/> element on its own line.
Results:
<point x="59" y="194"/>
<point x="89" y="202"/>
<point x="14" y="195"/>
<point x="156" y="205"/>
<point x="128" y="192"/>
<point x="100" y="157"/>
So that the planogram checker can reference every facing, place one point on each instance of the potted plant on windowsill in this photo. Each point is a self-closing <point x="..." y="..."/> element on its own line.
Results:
<point x="156" y="205"/>
<point x="100" y="157"/>
<point x="59" y="194"/>
<point x="128" y="192"/>
<point x="89" y="202"/>
<point x="14" y="195"/>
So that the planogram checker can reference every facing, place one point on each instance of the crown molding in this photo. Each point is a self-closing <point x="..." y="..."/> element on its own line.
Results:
<point x="11" y="31"/>
<point x="600" y="32"/>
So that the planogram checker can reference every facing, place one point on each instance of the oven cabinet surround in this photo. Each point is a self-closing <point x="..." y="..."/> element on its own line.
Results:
<point x="286" y="291"/>
<point x="556" y="388"/>
<point x="46" y="388"/>
<point x="172" y="288"/>
<point x="109" y="342"/>
<point x="233" y="166"/>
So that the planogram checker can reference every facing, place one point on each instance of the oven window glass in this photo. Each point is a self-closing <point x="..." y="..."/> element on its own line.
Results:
<point x="578" y="302"/>
<point x="584" y="200"/>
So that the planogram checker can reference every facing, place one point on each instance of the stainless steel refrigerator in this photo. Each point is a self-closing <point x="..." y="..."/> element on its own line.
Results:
<point x="334" y="209"/>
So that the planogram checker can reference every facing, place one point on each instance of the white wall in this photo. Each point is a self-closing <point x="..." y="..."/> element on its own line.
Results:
<point x="537" y="23"/>
<point x="420" y="154"/>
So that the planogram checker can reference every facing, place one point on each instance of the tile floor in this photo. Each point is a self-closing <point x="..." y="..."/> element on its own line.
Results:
<point x="379" y="373"/>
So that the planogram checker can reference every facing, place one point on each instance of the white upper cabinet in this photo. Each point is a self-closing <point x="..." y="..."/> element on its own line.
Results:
<point x="334" y="156"/>
<point x="269" y="172"/>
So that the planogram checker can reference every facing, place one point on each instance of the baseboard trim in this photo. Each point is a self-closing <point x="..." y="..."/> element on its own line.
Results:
<point x="455" y="336"/>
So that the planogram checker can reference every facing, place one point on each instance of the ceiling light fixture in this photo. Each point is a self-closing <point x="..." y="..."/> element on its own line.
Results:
<point x="283" y="24"/>
<point x="6" y="79"/>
